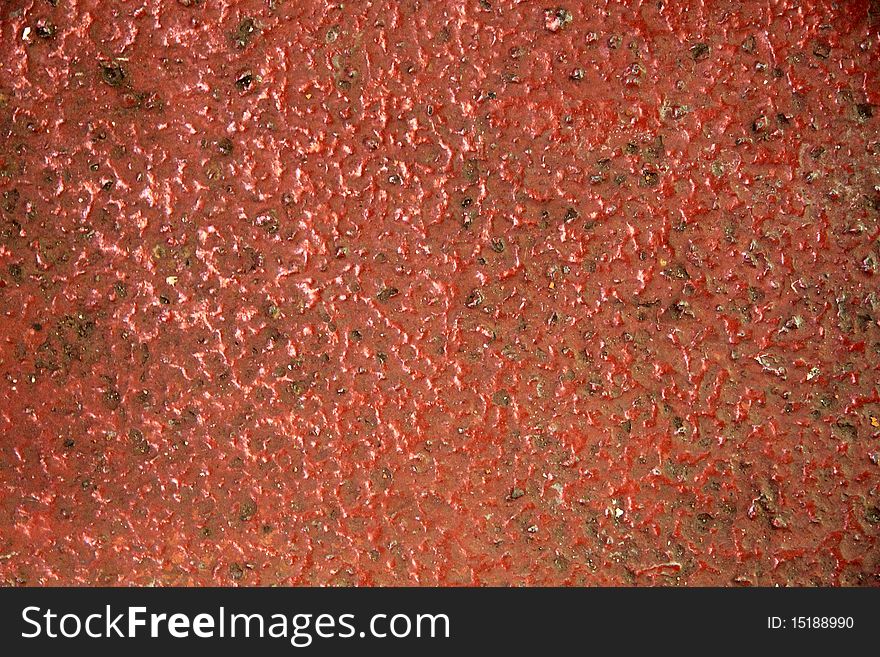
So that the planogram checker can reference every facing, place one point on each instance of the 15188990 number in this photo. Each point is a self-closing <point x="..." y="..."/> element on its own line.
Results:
<point x="810" y="623"/>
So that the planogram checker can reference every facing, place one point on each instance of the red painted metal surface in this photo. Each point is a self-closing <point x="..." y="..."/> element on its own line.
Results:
<point x="439" y="292"/>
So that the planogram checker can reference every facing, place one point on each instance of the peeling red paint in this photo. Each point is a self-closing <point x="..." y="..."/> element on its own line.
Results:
<point x="439" y="292"/>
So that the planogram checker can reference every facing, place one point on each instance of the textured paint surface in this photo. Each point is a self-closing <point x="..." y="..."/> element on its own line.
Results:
<point x="439" y="292"/>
